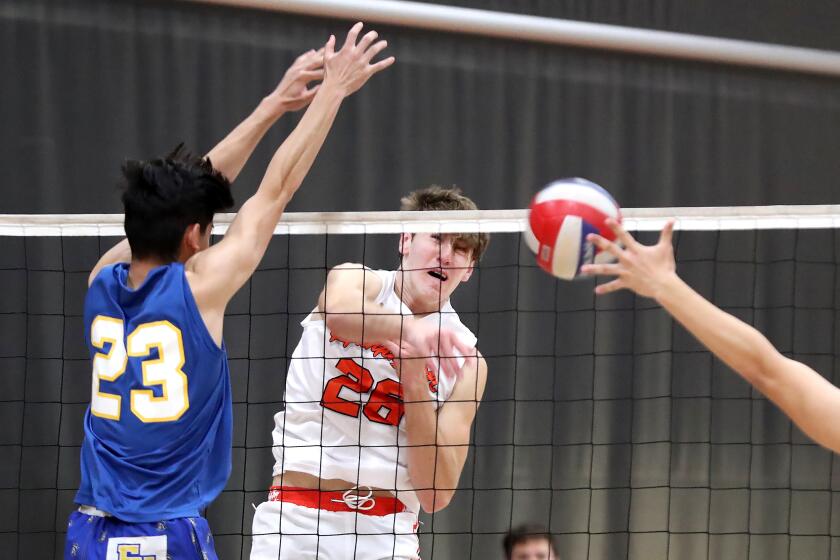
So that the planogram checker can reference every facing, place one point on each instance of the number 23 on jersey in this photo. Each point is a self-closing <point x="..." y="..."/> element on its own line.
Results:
<point x="163" y="371"/>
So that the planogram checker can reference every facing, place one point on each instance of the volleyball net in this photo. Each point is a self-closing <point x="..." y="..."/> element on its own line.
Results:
<point x="602" y="419"/>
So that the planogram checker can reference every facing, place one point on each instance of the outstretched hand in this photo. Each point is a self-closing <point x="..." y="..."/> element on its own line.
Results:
<point x="350" y="67"/>
<point x="293" y="92"/>
<point x="643" y="269"/>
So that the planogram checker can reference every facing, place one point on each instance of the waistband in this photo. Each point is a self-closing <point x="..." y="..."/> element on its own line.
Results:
<point x="359" y="500"/>
<point x="90" y="510"/>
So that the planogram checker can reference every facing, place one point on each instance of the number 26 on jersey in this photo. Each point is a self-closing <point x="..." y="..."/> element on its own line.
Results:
<point x="164" y="371"/>
<point x="384" y="405"/>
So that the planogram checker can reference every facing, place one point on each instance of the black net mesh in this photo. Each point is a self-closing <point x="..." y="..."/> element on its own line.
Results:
<point x="602" y="419"/>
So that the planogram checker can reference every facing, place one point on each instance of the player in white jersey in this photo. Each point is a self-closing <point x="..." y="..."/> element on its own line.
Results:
<point x="380" y="398"/>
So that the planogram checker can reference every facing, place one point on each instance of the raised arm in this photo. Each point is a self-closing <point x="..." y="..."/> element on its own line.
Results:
<point x="291" y="94"/>
<point x="810" y="401"/>
<point x="230" y="155"/>
<point x="438" y="441"/>
<point x="217" y="273"/>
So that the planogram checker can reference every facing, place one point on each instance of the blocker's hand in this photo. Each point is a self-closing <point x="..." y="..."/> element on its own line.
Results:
<point x="293" y="92"/>
<point x="643" y="269"/>
<point x="350" y="67"/>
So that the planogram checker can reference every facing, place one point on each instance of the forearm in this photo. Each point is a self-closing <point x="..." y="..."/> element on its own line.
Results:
<point x="370" y="326"/>
<point x="736" y="343"/>
<point x="230" y="155"/>
<point x="295" y="156"/>
<point x="805" y="396"/>
<point x="434" y="461"/>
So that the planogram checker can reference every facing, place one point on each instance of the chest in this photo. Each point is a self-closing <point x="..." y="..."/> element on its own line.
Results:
<point x="364" y="383"/>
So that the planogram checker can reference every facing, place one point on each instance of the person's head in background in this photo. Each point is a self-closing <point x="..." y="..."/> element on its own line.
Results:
<point x="530" y="542"/>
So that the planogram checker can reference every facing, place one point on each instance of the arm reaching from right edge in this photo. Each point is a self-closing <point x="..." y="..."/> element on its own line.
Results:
<point x="218" y="272"/>
<point x="810" y="401"/>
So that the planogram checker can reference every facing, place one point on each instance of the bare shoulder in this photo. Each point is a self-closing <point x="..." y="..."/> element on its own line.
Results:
<point x="211" y="288"/>
<point x="193" y="268"/>
<point x="357" y="276"/>
<point x="199" y="265"/>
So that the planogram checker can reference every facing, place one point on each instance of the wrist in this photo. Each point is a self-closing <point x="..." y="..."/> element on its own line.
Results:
<point x="271" y="108"/>
<point x="415" y="385"/>
<point x="415" y="393"/>
<point x="332" y="89"/>
<point x="666" y="287"/>
<point x="413" y="389"/>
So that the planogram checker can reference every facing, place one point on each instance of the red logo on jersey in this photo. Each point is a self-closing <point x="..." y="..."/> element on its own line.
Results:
<point x="378" y="350"/>
<point x="432" y="379"/>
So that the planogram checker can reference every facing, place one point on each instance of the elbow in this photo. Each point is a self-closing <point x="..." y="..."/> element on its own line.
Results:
<point x="763" y="372"/>
<point x="434" y="500"/>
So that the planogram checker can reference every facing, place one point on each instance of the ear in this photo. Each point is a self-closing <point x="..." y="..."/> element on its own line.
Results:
<point x="192" y="238"/>
<point x="469" y="272"/>
<point x="405" y="243"/>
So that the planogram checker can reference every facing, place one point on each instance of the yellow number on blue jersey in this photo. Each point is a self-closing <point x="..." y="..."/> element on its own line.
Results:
<point x="164" y="371"/>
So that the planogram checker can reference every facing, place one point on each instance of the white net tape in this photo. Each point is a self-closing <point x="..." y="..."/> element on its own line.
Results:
<point x="491" y="221"/>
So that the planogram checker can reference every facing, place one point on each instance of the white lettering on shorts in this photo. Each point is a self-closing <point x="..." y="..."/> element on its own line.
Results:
<point x="137" y="548"/>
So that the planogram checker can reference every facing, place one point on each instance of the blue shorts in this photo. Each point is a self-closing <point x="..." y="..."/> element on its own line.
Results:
<point x="93" y="537"/>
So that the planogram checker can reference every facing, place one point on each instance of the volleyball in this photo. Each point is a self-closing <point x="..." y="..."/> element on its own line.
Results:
<point x="561" y="216"/>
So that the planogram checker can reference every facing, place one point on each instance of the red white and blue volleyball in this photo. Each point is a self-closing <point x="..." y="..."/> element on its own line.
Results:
<point x="561" y="216"/>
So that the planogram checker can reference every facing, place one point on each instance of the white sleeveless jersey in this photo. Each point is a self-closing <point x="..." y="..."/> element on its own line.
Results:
<point x="343" y="417"/>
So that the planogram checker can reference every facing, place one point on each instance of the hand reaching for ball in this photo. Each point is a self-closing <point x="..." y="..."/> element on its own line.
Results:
<point x="645" y="269"/>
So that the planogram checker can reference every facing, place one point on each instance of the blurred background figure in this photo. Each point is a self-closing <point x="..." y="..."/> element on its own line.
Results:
<point x="530" y="542"/>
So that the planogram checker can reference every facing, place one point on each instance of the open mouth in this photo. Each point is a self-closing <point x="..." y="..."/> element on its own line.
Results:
<point x="438" y="274"/>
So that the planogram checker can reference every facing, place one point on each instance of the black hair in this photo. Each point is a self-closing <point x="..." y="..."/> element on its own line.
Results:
<point x="524" y="533"/>
<point x="163" y="196"/>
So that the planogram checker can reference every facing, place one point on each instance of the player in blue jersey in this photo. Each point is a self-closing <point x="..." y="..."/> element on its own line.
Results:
<point x="158" y="430"/>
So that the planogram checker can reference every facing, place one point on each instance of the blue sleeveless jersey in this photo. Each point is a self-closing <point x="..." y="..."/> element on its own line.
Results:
<point x="158" y="431"/>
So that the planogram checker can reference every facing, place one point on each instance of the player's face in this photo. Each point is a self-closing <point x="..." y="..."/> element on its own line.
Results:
<point x="533" y="549"/>
<point x="435" y="264"/>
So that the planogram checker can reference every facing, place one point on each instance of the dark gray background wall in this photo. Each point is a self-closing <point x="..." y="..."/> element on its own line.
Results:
<point x="773" y="21"/>
<point x="90" y="83"/>
<point x="602" y="419"/>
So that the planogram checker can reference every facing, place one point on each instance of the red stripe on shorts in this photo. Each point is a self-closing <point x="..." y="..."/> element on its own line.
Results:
<point x="333" y="500"/>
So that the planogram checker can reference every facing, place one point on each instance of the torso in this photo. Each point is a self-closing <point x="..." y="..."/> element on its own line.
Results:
<point x="158" y="431"/>
<point x="343" y="419"/>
